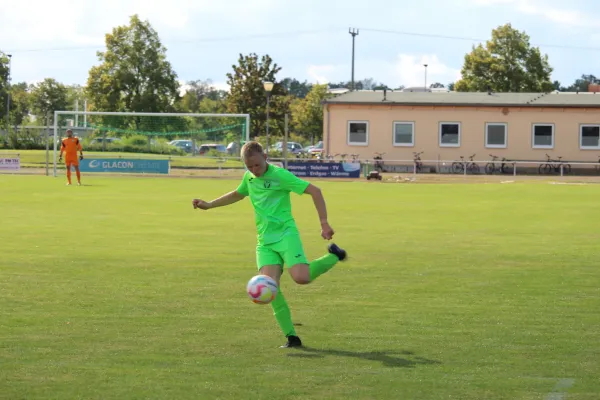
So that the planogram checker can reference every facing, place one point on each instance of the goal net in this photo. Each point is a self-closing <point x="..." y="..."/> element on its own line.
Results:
<point x="173" y="134"/>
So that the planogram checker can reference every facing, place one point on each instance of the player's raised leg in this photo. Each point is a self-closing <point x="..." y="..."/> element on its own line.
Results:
<point x="303" y="272"/>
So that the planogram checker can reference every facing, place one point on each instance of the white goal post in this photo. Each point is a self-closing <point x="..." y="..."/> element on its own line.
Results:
<point x="83" y="123"/>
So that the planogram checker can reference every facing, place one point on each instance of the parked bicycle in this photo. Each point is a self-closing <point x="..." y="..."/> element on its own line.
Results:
<point x="379" y="162"/>
<point x="493" y="166"/>
<point x="458" y="167"/>
<point x="355" y="158"/>
<point x="554" y="166"/>
<point x="417" y="160"/>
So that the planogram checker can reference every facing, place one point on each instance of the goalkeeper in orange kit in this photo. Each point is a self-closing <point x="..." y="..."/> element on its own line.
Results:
<point x="70" y="145"/>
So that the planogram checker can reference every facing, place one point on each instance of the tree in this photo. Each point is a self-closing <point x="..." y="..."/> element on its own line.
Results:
<point x="296" y="88"/>
<point x="436" y="85"/>
<point x="75" y="93"/>
<point x="507" y="63"/>
<point x="363" y="84"/>
<point x="581" y="84"/>
<point x="307" y="114"/>
<point x="134" y="74"/>
<point x="247" y="94"/>
<point x="4" y="62"/>
<point x="48" y="96"/>
<point x="20" y="103"/>
<point x="197" y="91"/>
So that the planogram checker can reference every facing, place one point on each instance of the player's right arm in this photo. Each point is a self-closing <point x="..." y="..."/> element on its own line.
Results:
<point x="225" y="200"/>
<point x="62" y="149"/>
<point x="232" y="197"/>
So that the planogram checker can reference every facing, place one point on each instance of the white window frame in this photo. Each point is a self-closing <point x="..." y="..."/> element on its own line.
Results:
<point x="440" y="133"/>
<point x="412" y="142"/>
<point x="581" y="146"/>
<point x="348" y="134"/>
<point x="496" y="146"/>
<point x="533" y="145"/>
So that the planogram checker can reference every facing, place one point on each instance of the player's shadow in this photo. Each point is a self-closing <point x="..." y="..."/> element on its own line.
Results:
<point x="389" y="358"/>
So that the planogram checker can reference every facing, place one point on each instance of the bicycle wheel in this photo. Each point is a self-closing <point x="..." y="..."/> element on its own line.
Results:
<point x="567" y="168"/>
<point x="490" y="168"/>
<point x="457" y="168"/>
<point x="545" y="169"/>
<point x="504" y="168"/>
<point x="474" y="168"/>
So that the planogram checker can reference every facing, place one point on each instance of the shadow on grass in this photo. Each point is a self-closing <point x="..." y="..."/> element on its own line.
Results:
<point x="389" y="358"/>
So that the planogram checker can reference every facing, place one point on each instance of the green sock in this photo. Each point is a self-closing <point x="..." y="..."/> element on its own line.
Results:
<point x="282" y="313"/>
<point x="321" y="265"/>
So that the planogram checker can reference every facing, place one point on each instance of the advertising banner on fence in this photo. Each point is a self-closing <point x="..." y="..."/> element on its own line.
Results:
<point x="10" y="163"/>
<point x="324" y="169"/>
<point x="124" y="165"/>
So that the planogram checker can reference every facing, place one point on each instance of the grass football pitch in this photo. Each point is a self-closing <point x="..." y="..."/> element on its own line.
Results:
<point x="118" y="289"/>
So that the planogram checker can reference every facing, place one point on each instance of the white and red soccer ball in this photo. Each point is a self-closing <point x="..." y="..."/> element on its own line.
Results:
<point x="262" y="289"/>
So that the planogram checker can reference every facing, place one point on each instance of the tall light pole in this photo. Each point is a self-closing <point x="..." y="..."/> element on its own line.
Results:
<point x="354" y="33"/>
<point x="8" y="95"/>
<point x="268" y="88"/>
<point x="425" y="65"/>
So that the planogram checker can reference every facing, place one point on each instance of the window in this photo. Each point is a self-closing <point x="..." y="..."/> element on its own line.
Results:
<point x="589" y="137"/>
<point x="543" y="136"/>
<point x="449" y="134"/>
<point x="404" y="133"/>
<point x="495" y="135"/>
<point x="358" y="133"/>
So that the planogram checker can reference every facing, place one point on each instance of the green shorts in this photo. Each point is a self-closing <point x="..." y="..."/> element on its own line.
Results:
<point x="288" y="251"/>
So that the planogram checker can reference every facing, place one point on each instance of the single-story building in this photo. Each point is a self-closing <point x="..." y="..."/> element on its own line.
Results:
<point x="447" y="125"/>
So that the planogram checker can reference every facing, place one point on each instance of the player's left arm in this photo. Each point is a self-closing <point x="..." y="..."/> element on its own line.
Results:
<point x="80" y="148"/>
<point x="294" y="184"/>
<point x="319" y="201"/>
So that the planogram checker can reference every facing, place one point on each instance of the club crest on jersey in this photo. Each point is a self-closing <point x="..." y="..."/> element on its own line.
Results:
<point x="271" y="183"/>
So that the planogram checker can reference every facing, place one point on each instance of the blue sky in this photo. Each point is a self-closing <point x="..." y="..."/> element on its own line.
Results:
<point x="309" y="39"/>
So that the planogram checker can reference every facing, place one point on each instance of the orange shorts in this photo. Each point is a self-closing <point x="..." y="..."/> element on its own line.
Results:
<point x="72" y="161"/>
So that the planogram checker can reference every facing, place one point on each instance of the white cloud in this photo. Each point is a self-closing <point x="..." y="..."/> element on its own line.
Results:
<point x="409" y="70"/>
<point x="324" y="73"/>
<point x="405" y="69"/>
<point x="542" y="8"/>
<point x="221" y="86"/>
<point x="60" y="23"/>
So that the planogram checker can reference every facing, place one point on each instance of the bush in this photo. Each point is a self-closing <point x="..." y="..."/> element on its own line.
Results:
<point x="26" y="140"/>
<point x="130" y="148"/>
<point x="214" y="153"/>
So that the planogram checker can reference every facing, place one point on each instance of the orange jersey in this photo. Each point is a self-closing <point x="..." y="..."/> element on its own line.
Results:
<point x="70" y="146"/>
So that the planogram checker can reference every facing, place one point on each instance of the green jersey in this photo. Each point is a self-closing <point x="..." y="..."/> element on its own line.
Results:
<point x="270" y="197"/>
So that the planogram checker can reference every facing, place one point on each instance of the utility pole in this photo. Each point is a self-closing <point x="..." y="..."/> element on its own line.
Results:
<point x="354" y="33"/>
<point x="8" y="95"/>
<point x="425" y="65"/>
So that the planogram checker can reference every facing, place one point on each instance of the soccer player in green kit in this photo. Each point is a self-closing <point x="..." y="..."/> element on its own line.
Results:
<point x="279" y="243"/>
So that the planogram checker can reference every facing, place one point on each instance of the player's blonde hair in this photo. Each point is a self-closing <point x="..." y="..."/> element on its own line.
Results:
<point x="251" y="148"/>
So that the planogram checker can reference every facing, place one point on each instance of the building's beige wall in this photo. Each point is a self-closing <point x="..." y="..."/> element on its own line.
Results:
<point x="473" y="120"/>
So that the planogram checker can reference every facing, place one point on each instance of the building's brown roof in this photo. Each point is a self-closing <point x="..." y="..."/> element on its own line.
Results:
<point x="553" y="99"/>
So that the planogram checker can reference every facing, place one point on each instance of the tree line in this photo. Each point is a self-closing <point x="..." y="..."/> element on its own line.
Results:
<point x="134" y="75"/>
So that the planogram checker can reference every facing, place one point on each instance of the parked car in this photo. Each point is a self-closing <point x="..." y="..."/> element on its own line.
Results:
<point x="292" y="147"/>
<point x="205" y="148"/>
<point x="183" y="144"/>
<point x="315" y="150"/>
